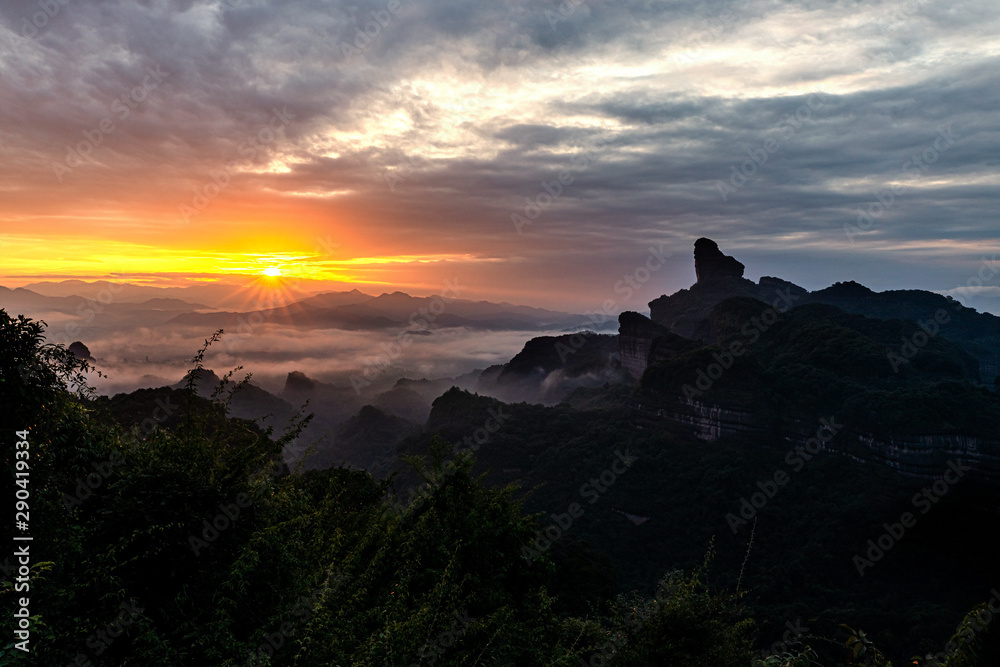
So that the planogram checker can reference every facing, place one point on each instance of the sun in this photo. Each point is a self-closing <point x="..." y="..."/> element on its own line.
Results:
<point x="273" y="273"/>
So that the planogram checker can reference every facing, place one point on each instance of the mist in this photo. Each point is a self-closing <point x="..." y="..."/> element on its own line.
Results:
<point x="147" y="357"/>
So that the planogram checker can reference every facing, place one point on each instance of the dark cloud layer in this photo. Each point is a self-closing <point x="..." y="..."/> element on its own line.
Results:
<point x="426" y="135"/>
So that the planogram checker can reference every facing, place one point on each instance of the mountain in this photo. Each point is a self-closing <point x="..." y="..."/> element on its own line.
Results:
<point x="720" y="277"/>
<point x="399" y="305"/>
<point x="548" y="368"/>
<point x="143" y="312"/>
<point x="22" y="300"/>
<point x="420" y="313"/>
<point x="168" y="303"/>
<point x="294" y="315"/>
<point x="217" y="295"/>
<point x="335" y="299"/>
<point x="91" y="289"/>
<point x="908" y="373"/>
<point x="357" y="311"/>
<point x="366" y="440"/>
<point x="343" y="429"/>
<point x="782" y="432"/>
<point x="412" y="399"/>
<point x="800" y="559"/>
<point x="80" y="351"/>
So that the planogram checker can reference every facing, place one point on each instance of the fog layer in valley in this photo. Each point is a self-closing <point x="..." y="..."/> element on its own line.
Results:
<point x="146" y="357"/>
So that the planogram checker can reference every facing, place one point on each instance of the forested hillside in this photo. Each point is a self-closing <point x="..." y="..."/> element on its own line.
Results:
<point x="190" y="543"/>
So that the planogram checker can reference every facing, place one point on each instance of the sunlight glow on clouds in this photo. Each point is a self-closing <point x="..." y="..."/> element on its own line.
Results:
<point x="471" y="108"/>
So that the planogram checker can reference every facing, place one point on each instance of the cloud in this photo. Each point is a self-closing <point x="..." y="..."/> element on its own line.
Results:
<point x="271" y="352"/>
<point x="468" y="109"/>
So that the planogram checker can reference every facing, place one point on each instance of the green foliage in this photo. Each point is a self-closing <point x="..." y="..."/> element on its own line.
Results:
<point x="196" y="527"/>
<point x="817" y="359"/>
<point x="861" y="650"/>
<point x="227" y="558"/>
<point x="685" y="623"/>
<point x="799" y="657"/>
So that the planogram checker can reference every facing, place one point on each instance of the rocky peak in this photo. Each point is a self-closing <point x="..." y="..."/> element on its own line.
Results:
<point x="201" y="376"/>
<point x="80" y="351"/>
<point x="299" y="381"/>
<point x="710" y="264"/>
<point x="720" y="277"/>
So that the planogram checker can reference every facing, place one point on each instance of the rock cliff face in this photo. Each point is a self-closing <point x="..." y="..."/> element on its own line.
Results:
<point x="928" y="455"/>
<point x="922" y="456"/>
<point x="635" y="340"/>
<point x="707" y="421"/>
<point x="642" y="342"/>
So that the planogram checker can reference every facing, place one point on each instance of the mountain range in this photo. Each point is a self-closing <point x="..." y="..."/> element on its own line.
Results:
<point x="911" y="374"/>
<point x="356" y="310"/>
<point x="209" y="307"/>
<point x="863" y="400"/>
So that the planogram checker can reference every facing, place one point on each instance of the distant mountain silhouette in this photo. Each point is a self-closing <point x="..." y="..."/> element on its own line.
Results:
<point x="112" y="309"/>
<point x="205" y="381"/>
<point x="166" y="303"/>
<point x="102" y="306"/>
<point x="216" y="295"/>
<point x="357" y="311"/>
<point x="335" y="299"/>
<point x="412" y="399"/>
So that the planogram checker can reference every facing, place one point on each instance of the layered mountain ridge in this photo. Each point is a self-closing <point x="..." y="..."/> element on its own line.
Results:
<point x="908" y="372"/>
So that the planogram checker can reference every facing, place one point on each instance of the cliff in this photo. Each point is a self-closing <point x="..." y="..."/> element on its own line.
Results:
<point x="548" y="368"/>
<point x="720" y="277"/>
<point x="924" y="456"/>
<point x="907" y="371"/>
<point x="642" y="342"/>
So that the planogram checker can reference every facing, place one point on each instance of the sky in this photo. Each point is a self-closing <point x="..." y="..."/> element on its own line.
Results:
<point x="534" y="151"/>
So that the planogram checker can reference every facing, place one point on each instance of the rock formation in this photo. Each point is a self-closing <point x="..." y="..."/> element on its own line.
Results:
<point x="711" y="265"/>
<point x="548" y="367"/>
<point x="298" y="381"/>
<point x="635" y="339"/>
<point x="642" y="342"/>
<point x="719" y="277"/>
<point x="80" y="351"/>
